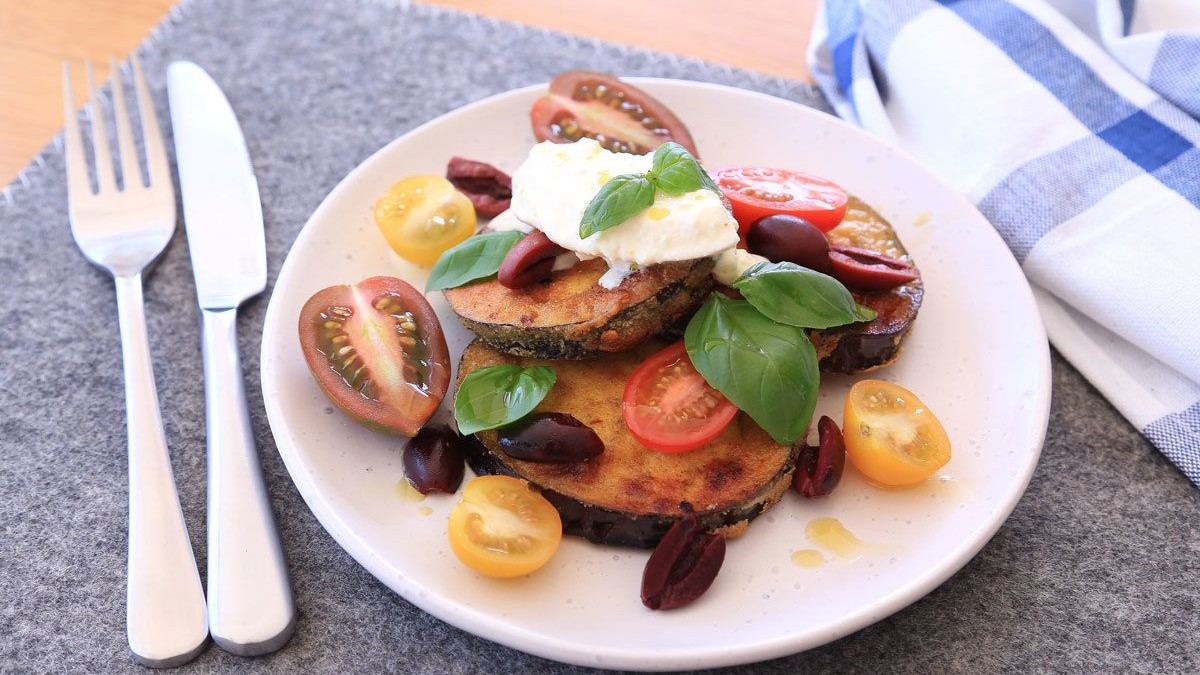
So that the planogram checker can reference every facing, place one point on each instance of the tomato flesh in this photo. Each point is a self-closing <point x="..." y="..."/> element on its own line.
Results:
<point x="423" y="216"/>
<point x="669" y="407"/>
<point x="618" y="115"/>
<point x="503" y="528"/>
<point x="891" y="436"/>
<point x="757" y="192"/>
<point x="378" y="352"/>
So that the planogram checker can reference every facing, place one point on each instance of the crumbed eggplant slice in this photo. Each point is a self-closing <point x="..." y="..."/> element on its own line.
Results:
<point x="630" y="495"/>
<point x="571" y="317"/>
<point x="859" y="347"/>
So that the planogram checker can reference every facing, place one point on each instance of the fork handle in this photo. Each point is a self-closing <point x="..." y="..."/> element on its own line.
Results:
<point x="250" y="606"/>
<point x="164" y="610"/>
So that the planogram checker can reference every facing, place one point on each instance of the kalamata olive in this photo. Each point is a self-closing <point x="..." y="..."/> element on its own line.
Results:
<point x="433" y="460"/>
<point x="866" y="270"/>
<point x="550" y="437"/>
<point x="488" y="188"/>
<point x="682" y="566"/>
<point x="529" y="262"/>
<point x="784" y="238"/>
<point x="819" y="469"/>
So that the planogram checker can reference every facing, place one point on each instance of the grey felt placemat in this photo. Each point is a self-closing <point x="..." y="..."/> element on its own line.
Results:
<point x="1097" y="569"/>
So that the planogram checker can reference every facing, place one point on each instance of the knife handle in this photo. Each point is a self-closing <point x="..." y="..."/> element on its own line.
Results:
<point x="250" y="605"/>
<point x="164" y="601"/>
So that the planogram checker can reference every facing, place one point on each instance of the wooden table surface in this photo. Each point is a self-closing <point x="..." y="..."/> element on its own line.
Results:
<point x="769" y="36"/>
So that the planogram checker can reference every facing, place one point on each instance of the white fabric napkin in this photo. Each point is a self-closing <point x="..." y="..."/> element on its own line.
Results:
<point x="1072" y="125"/>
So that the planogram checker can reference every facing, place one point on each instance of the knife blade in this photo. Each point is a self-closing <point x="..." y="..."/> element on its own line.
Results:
<point x="221" y="207"/>
<point x="250" y="606"/>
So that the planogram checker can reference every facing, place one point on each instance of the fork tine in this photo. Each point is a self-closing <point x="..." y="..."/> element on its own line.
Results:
<point x="77" y="177"/>
<point x="104" y="163"/>
<point x="156" y="154"/>
<point x="130" y="171"/>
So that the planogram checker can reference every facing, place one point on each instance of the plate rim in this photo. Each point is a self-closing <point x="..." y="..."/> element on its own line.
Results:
<point x="496" y="629"/>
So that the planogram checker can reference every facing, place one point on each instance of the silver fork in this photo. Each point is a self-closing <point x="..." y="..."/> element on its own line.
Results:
<point x="122" y="231"/>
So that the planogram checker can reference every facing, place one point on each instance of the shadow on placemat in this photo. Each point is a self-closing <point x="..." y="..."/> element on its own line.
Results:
<point x="1096" y="570"/>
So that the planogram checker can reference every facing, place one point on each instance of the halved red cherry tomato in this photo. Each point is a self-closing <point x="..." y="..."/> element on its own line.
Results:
<point x="669" y="407"/>
<point x="378" y="352"/>
<point x="621" y="117"/>
<point x="756" y="192"/>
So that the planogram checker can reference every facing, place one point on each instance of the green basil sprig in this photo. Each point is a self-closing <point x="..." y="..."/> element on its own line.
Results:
<point x="477" y="257"/>
<point x="798" y="296"/>
<point x="766" y="368"/>
<point x="497" y="395"/>
<point x="619" y="199"/>
<point x="673" y="171"/>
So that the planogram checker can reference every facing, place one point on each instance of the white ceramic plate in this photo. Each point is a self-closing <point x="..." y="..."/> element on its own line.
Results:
<point x="977" y="356"/>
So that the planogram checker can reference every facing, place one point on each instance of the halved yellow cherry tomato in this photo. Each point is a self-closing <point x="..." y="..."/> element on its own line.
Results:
<point x="891" y="436"/>
<point x="503" y="528"/>
<point x="422" y="216"/>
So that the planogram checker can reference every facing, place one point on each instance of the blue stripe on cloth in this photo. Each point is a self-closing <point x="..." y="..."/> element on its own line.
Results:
<point x="1145" y="141"/>
<point x="1175" y="69"/>
<point x="843" y="65"/>
<point x="1053" y="188"/>
<point x="1183" y="175"/>
<point x="1178" y="437"/>
<point x="1038" y="52"/>
<point x="1169" y="114"/>
<point x="1127" y="7"/>
<point x="843" y="20"/>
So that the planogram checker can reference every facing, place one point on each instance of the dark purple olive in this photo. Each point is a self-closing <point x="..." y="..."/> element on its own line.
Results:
<point x="866" y="270"/>
<point x="819" y="469"/>
<point x="550" y="437"/>
<point x="529" y="261"/>
<point x="784" y="238"/>
<point x="433" y="460"/>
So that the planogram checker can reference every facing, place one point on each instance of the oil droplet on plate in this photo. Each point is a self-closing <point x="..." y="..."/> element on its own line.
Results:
<point x="657" y="212"/>
<point x="831" y="535"/>
<point x="945" y="489"/>
<point x="425" y="510"/>
<point x="407" y="492"/>
<point x="808" y="557"/>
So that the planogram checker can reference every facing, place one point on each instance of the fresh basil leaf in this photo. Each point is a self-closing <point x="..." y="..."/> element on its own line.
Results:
<point x="675" y="171"/>
<point x="766" y="368"/>
<point x="619" y="199"/>
<point x="477" y="257"/>
<point x="798" y="296"/>
<point x="710" y="183"/>
<point x="497" y="395"/>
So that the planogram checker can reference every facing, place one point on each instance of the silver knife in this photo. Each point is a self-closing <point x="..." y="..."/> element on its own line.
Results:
<point x="250" y="605"/>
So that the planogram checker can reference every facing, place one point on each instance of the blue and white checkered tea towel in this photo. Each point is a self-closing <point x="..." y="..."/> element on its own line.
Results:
<point x="1072" y="125"/>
